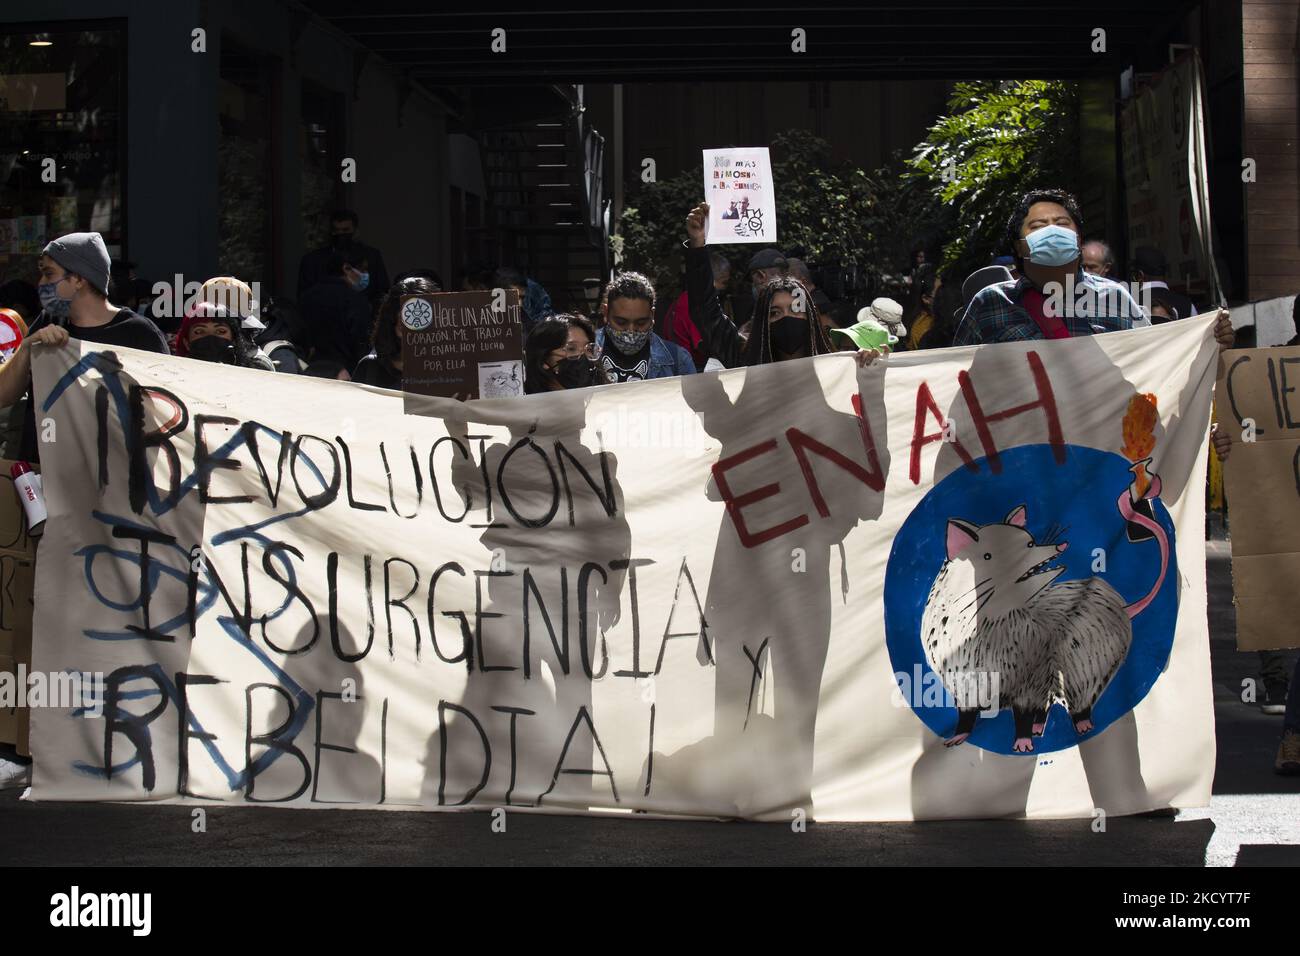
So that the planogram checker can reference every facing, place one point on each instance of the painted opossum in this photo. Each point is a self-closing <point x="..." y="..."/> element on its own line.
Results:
<point x="994" y="609"/>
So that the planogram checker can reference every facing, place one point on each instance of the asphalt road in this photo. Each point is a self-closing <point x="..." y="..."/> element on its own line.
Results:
<point x="1254" y="819"/>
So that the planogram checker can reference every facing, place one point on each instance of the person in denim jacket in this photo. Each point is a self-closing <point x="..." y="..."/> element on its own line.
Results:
<point x="630" y="349"/>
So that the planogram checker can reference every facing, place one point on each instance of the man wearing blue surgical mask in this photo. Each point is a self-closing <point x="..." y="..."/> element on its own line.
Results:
<point x="1054" y="298"/>
<point x="343" y="238"/>
<point x="336" y="311"/>
<point x="631" y="351"/>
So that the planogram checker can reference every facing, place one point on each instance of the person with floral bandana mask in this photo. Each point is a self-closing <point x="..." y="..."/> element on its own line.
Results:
<point x="630" y="349"/>
<point x="1054" y="298"/>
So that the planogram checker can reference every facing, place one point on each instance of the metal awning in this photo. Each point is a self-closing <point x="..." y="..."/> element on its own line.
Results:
<point x="891" y="40"/>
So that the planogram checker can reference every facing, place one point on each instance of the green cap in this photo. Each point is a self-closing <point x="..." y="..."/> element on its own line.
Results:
<point x="868" y="334"/>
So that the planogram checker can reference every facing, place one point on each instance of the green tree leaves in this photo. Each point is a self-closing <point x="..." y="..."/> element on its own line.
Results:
<point x="955" y="191"/>
<point x="837" y="215"/>
<point x="998" y="140"/>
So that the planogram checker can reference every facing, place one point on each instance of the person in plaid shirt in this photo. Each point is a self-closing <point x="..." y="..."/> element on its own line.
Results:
<point x="1043" y="235"/>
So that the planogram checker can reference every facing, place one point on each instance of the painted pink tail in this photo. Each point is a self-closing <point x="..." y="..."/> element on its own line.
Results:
<point x="1131" y="514"/>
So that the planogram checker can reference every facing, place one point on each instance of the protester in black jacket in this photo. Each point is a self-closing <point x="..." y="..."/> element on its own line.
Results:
<point x="74" y="293"/>
<point x="337" y="313"/>
<point x="785" y="324"/>
<point x="343" y="239"/>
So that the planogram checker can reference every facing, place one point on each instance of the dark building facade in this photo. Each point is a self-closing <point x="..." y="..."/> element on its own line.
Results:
<point x="221" y="151"/>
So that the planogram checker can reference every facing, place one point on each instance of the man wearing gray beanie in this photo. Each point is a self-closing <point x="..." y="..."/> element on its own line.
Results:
<point x="74" y="295"/>
<point x="82" y="254"/>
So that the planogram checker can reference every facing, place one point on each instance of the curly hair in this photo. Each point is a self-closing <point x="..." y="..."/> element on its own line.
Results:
<point x="630" y="285"/>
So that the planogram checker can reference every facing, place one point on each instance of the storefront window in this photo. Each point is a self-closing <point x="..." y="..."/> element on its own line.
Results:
<point x="245" y="172"/>
<point x="320" y="149"/>
<point x="62" y="141"/>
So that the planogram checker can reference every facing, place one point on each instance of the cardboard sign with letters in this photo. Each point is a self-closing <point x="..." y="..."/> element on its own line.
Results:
<point x="1258" y="401"/>
<point x="463" y="344"/>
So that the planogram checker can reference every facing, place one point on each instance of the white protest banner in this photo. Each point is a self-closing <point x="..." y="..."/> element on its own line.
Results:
<point x="741" y="195"/>
<point x="962" y="583"/>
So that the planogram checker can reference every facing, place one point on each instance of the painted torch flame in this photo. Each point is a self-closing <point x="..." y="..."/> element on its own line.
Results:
<point x="1139" y="437"/>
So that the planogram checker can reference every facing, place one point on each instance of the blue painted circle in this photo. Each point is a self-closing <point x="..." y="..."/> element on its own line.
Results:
<point x="1080" y="494"/>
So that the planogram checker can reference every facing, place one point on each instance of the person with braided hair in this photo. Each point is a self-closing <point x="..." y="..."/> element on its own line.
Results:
<point x="785" y="323"/>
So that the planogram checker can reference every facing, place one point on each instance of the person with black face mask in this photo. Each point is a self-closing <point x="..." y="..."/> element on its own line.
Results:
<point x="560" y="353"/>
<point x="211" y="342"/>
<point x="344" y="241"/>
<point x="785" y="323"/>
<point x="211" y="333"/>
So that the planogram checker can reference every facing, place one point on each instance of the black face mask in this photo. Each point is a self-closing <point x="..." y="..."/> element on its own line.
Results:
<point x="213" y="348"/>
<point x="788" y="334"/>
<point x="577" y="372"/>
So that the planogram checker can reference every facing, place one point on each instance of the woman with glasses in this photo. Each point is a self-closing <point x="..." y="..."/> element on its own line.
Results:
<point x="561" y="352"/>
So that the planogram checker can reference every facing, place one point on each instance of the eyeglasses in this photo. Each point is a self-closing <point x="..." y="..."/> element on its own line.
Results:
<point x="573" y="350"/>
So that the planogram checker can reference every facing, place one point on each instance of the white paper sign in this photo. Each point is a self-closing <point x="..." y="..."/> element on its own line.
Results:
<point x="741" y="194"/>
<point x="500" y="379"/>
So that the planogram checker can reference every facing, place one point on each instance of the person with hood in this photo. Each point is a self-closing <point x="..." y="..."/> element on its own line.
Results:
<point x="212" y="333"/>
<point x="785" y="323"/>
<point x="284" y="340"/>
<point x="630" y="349"/>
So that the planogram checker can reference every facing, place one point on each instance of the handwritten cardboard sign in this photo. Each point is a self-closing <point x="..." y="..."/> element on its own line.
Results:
<point x="465" y="344"/>
<point x="1258" y="400"/>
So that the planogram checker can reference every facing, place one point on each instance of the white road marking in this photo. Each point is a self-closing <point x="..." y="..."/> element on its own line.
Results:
<point x="1247" y="818"/>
